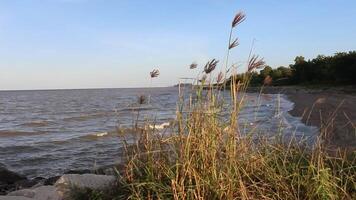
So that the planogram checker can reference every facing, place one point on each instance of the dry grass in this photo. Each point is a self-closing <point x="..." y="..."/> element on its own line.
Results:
<point x="206" y="158"/>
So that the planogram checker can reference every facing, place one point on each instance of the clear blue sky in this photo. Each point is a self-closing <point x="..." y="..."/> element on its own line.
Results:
<point x="113" y="43"/>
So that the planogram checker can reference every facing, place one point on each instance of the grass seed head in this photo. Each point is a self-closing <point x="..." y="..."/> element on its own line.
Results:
<point x="239" y="18"/>
<point x="193" y="65"/>
<point x="255" y="63"/>
<point x="234" y="44"/>
<point x="154" y="73"/>
<point x="210" y="66"/>
<point x="220" y="77"/>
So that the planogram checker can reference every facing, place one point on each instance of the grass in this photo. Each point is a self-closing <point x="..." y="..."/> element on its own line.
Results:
<point x="205" y="156"/>
<point x="204" y="159"/>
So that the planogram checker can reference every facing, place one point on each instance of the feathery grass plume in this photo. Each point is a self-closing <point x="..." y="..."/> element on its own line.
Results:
<point x="210" y="66"/>
<point x="154" y="73"/>
<point x="267" y="80"/>
<point x="255" y="63"/>
<point x="239" y="18"/>
<point x="234" y="44"/>
<point x="193" y="65"/>
<point x="220" y="77"/>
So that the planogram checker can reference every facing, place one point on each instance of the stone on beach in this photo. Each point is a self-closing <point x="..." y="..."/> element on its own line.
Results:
<point x="9" y="180"/>
<point x="63" y="186"/>
<point x="40" y="193"/>
<point x="9" y="177"/>
<point x="91" y="181"/>
<point x="14" y="198"/>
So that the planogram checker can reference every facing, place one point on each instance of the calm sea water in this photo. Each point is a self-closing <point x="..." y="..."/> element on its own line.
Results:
<point x="44" y="133"/>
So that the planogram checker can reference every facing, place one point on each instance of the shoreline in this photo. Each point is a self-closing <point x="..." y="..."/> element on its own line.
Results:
<point x="331" y="109"/>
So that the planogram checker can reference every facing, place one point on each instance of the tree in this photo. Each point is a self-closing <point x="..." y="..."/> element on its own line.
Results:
<point x="265" y="72"/>
<point x="337" y="69"/>
<point x="299" y="60"/>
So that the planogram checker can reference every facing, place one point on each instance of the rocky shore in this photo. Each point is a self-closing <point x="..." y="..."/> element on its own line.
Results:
<point x="16" y="186"/>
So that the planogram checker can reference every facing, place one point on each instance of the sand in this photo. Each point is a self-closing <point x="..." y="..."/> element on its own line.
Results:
<point x="332" y="110"/>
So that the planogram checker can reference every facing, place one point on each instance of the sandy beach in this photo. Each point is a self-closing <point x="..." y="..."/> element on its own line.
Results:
<point x="330" y="109"/>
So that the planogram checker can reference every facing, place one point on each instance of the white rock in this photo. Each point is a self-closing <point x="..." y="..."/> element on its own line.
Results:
<point x="24" y="193"/>
<point x="40" y="193"/>
<point x="91" y="181"/>
<point x="14" y="198"/>
<point x="47" y="193"/>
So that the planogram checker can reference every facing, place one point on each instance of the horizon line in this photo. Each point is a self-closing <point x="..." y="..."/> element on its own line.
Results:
<point x="89" y="88"/>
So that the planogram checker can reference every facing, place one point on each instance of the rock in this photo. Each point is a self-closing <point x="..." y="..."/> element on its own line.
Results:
<point x="5" y="188"/>
<point x="90" y="181"/>
<point x="47" y="193"/>
<point x="8" y="180"/>
<point x="23" y="193"/>
<point x="79" y="171"/>
<point x="14" y="198"/>
<point x="28" y="183"/>
<point x="40" y="193"/>
<point x="51" y="181"/>
<point x="110" y="169"/>
<point x="9" y="177"/>
<point x="11" y="181"/>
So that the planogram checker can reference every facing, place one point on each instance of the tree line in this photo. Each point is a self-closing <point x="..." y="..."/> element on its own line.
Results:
<point x="339" y="69"/>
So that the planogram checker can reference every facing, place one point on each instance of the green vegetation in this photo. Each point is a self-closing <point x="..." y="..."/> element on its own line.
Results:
<point x="339" y="69"/>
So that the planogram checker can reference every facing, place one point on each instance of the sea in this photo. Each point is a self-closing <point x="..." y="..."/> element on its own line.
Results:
<point x="44" y="133"/>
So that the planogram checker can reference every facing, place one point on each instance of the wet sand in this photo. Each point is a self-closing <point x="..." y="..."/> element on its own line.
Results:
<point x="332" y="110"/>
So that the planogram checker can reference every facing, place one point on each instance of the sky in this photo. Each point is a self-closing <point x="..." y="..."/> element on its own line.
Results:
<point x="60" y="44"/>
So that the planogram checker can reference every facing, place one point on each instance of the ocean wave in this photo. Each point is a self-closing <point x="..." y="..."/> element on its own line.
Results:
<point x="137" y="108"/>
<point x="159" y="126"/>
<point x="123" y="131"/>
<point x="86" y="117"/>
<point x="18" y="149"/>
<point x="8" y="133"/>
<point x="98" y="135"/>
<point x="38" y="123"/>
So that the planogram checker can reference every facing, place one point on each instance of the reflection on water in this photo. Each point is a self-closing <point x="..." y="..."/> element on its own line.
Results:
<point x="43" y="133"/>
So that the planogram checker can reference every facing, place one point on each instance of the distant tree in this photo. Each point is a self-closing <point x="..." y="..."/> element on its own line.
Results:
<point x="286" y="72"/>
<point x="265" y="72"/>
<point x="337" y="69"/>
<point x="299" y="60"/>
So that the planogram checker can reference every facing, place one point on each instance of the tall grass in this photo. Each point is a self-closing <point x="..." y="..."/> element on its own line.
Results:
<point x="204" y="156"/>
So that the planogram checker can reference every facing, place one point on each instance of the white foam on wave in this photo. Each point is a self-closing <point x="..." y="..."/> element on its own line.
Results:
<point x="160" y="126"/>
<point x="101" y="134"/>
